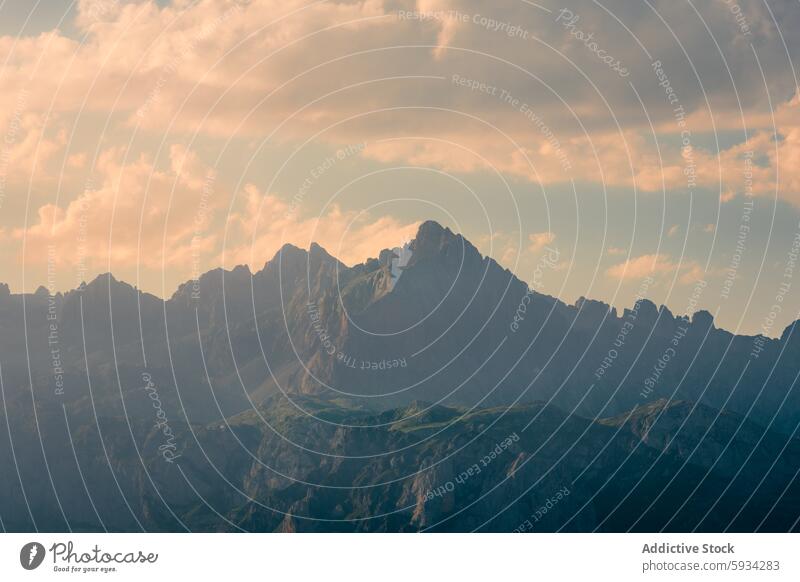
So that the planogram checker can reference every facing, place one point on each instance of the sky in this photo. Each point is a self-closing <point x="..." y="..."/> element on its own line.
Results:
<point x="607" y="149"/>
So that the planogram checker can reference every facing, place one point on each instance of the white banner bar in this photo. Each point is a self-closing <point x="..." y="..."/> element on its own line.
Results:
<point x="400" y="557"/>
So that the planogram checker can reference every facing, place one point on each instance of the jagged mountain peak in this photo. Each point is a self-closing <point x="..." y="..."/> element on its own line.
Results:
<point x="290" y="256"/>
<point x="432" y="238"/>
<point x="432" y="228"/>
<point x="317" y="249"/>
<point x="317" y="256"/>
<point x="105" y="283"/>
<point x="287" y="252"/>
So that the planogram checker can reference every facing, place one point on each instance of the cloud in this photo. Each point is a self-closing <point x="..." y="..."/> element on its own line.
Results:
<point x="641" y="267"/>
<point x="29" y="144"/>
<point x="358" y="69"/>
<point x="657" y="266"/>
<point x="130" y="214"/>
<point x="539" y="240"/>
<point x="692" y="273"/>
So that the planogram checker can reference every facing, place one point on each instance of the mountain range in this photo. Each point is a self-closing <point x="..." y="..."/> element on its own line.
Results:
<point x="428" y="389"/>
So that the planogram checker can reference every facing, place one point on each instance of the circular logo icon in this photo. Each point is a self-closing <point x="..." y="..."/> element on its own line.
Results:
<point x="31" y="555"/>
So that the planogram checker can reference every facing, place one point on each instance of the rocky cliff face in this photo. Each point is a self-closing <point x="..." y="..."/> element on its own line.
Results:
<point x="421" y="468"/>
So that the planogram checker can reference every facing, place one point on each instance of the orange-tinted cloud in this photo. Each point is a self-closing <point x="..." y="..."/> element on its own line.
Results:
<point x="540" y="240"/>
<point x="657" y="266"/>
<point x="227" y="68"/>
